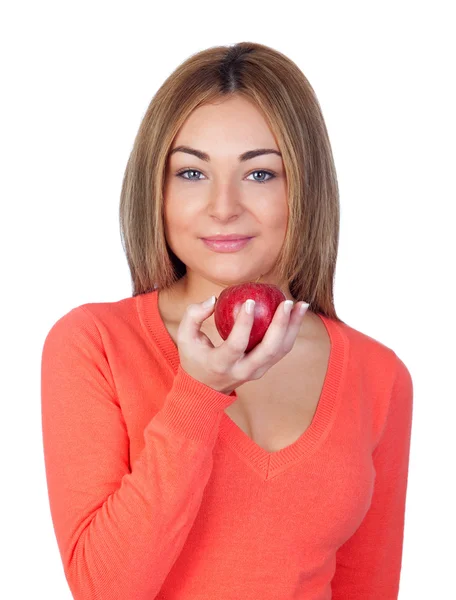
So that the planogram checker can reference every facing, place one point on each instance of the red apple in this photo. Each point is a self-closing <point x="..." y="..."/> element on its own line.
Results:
<point x="267" y="298"/>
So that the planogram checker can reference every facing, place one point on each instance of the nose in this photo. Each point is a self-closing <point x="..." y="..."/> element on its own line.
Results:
<point x="225" y="202"/>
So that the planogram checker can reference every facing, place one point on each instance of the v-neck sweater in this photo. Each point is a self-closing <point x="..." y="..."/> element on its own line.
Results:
<point x="155" y="493"/>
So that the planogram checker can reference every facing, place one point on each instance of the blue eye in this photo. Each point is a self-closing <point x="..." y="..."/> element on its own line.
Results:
<point x="181" y="173"/>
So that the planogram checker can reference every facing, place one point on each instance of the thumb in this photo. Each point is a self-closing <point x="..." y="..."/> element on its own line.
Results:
<point x="208" y="304"/>
<point x="200" y="311"/>
<point x="194" y="317"/>
<point x="195" y="314"/>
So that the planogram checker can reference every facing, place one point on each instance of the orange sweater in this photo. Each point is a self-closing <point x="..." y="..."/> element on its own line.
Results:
<point x="155" y="493"/>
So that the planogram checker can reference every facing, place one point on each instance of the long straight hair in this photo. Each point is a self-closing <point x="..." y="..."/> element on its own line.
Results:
<point x="279" y="89"/>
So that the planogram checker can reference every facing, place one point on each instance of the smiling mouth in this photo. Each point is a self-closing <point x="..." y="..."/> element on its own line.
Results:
<point x="227" y="245"/>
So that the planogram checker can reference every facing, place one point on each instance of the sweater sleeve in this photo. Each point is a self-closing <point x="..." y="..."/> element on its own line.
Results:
<point x="119" y="529"/>
<point x="368" y="564"/>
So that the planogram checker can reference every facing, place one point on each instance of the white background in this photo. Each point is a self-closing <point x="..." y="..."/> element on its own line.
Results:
<point x="77" y="78"/>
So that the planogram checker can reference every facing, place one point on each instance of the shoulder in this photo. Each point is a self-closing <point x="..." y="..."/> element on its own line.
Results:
<point x="92" y="317"/>
<point x="376" y="358"/>
<point x="376" y="367"/>
<point x="380" y="375"/>
<point x="367" y="349"/>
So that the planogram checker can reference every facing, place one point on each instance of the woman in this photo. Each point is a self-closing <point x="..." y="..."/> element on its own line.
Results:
<point x="179" y="466"/>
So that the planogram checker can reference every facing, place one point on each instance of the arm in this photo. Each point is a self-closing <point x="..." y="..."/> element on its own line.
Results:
<point x="119" y="531"/>
<point x="369" y="563"/>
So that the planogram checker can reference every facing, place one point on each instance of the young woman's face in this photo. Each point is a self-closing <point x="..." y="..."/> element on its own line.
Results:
<point x="225" y="195"/>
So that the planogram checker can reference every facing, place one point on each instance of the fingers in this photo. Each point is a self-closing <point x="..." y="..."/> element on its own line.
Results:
<point x="194" y="315"/>
<point x="278" y="340"/>
<point x="279" y="337"/>
<point x="294" y="326"/>
<point x="271" y="344"/>
<point x="236" y="343"/>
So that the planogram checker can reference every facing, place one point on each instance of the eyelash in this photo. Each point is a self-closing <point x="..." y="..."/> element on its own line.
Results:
<point x="272" y="175"/>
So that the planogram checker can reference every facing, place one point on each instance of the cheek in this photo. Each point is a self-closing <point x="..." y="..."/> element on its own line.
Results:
<point x="275" y="219"/>
<point x="175" y="206"/>
<point x="177" y="214"/>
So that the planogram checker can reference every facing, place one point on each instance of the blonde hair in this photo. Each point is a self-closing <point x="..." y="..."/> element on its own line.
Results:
<point x="279" y="89"/>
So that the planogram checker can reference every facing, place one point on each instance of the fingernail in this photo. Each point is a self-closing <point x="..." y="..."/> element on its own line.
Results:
<point x="303" y="308"/>
<point x="209" y="302"/>
<point x="288" y="305"/>
<point x="249" y="305"/>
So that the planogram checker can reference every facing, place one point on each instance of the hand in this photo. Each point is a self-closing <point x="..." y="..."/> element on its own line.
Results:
<point x="226" y="367"/>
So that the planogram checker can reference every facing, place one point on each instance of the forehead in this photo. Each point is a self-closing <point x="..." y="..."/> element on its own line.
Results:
<point x="230" y="127"/>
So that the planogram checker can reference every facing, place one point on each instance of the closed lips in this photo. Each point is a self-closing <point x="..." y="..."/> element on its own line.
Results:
<point x="227" y="238"/>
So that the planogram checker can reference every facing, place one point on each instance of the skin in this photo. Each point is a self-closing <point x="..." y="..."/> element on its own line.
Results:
<point x="224" y="196"/>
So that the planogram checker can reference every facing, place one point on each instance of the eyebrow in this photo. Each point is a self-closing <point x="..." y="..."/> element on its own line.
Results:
<point x="242" y="157"/>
